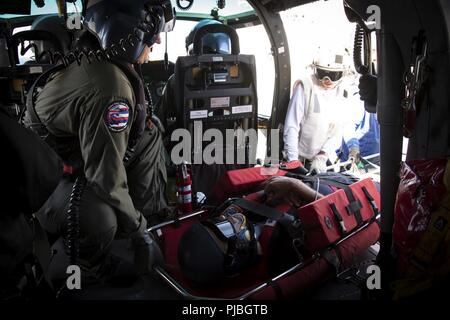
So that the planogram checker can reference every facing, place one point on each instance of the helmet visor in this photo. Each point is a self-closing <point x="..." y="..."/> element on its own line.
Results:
<point x="169" y="18"/>
<point x="334" y="76"/>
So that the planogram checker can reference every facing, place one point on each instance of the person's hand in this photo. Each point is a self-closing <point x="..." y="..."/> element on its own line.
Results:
<point x="319" y="164"/>
<point x="147" y="253"/>
<point x="354" y="156"/>
<point x="368" y="89"/>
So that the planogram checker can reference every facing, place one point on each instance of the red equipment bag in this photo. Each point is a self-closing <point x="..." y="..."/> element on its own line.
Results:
<point x="333" y="216"/>
<point x="420" y="192"/>
<point x="235" y="183"/>
<point x="330" y="218"/>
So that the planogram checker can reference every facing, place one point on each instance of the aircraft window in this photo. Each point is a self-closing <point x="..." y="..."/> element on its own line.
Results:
<point x="175" y="42"/>
<point x="29" y="55"/>
<point x="205" y="7"/>
<point x="50" y="7"/>
<point x="254" y="40"/>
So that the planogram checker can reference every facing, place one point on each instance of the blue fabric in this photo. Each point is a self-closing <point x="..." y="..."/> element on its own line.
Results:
<point x="366" y="137"/>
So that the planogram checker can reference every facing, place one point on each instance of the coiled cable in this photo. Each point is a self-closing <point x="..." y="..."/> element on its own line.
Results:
<point x="358" y="50"/>
<point x="71" y="240"/>
<point x="100" y="54"/>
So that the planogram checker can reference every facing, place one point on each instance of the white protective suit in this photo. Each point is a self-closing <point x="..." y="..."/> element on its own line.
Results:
<point x="314" y="121"/>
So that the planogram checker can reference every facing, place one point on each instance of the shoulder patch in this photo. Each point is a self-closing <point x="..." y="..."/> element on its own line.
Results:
<point x="117" y="116"/>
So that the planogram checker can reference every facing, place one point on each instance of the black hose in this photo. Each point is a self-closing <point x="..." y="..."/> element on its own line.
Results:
<point x="73" y="220"/>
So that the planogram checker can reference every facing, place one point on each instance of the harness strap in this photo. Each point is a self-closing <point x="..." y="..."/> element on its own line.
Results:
<point x="263" y="210"/>
<point x="332" y="258"/>
<point x="372" y="202"/>
<point x="292" y="225"/>
<point x="354" y="206"/>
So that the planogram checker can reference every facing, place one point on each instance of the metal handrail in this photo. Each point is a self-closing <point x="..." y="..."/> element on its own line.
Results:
<point x="166" y="223"/>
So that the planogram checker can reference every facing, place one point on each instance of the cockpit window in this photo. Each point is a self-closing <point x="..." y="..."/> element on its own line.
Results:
<point x="49" y="8"/>
<point x="203" y="7"/>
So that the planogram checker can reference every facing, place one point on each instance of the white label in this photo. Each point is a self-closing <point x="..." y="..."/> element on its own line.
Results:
<point x="184" y="189"/>
<point x="242" y="109"/>
<point x="281" y="50"/>
<point x="270" y="223"/>
<point x="35" y="69"/>
<point x="222" y="102"/>
<point x="217" y="59"/>
<point x="199" y="114"/>
<point x="187" y="198"/>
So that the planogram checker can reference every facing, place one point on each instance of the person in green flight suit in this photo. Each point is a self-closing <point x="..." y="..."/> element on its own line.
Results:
<point x="96" y="117"/>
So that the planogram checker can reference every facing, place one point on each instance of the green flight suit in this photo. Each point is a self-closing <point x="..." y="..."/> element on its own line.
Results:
<point x="75" y="103"/>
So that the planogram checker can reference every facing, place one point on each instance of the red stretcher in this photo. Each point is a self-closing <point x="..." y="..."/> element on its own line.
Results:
<point x="325" y="239"/>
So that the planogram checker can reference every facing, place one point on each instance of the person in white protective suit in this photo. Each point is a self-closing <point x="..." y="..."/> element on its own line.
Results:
<point x="313" y="125"/>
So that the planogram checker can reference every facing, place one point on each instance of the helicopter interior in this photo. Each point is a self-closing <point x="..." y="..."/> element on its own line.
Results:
<point x="263" y="85"/>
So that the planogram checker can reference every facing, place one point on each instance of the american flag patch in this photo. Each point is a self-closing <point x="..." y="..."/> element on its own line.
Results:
<point x="116" y="117"/>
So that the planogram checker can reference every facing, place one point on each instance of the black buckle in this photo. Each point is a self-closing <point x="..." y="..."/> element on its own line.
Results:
<point x="40" y="129"/>
<point x="337" y="215"/>
<point x="372" y="202"/>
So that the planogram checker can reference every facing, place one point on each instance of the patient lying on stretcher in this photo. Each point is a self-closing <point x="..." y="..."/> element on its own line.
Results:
<point x="289" y="190"/>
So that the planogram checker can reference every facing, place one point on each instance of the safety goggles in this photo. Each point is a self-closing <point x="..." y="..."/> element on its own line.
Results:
<point x="322" y="74"/>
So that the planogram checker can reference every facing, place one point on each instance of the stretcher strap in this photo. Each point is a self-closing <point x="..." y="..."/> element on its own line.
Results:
<point x="372" y="202"/>
<point x="332" y="258"/>
<point x="292" y="225"/>
<point x="263" y="210"/>
<point x="337" y="215"/>
<point x="354" y="207"/>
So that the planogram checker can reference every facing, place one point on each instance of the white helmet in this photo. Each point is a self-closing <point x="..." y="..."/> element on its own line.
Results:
<point x="330" y="63"/>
